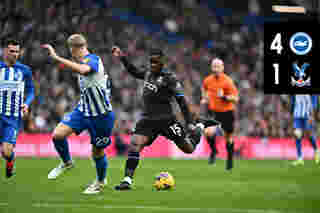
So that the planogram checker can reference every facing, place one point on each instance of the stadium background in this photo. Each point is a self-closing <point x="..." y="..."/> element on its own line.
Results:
<point x="190" y="32"/>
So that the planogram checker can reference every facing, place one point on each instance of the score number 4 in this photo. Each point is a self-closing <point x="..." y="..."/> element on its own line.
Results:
<point x="276" y="45"/>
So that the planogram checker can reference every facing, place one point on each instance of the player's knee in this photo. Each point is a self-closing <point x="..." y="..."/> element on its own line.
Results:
<point x="297" y="133"/>
<point x="6" y="154"/>
<point x="135" y="147"/>
<point x="138" y="143"/>
<point x="308" y="133"/>
<point x="56" y="135"/>
<point x="210" y="131"/>
<point x="188" y="150"/>
<point x="96" y="152"/>
<point x="186" y="146"/>
<point x="206" y="132"/>
<point x="59" y="134"/>
<point x="228" y="137"/>
<point x="7" y="150"/>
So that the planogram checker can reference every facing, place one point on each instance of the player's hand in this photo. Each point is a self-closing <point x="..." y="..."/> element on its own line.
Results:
<point x="51" y="50"/>
<point x="204" y="101"/>
<point x="317" y="116"/>
<point x="25" y="110"/>
<point x="116" y="51"/>
<point x="221" y="95"/>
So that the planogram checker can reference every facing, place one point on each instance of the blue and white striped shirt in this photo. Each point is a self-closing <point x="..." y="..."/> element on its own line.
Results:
<point x="14" y="81"/>
<point x="302" y="106"/>
<point x="94" y="89"/>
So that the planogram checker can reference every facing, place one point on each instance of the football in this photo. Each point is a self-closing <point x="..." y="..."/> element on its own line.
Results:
<point x="164" y="181"/>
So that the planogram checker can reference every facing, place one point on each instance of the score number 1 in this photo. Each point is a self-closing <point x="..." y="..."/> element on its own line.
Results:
<point x="276" y="45"/>
<point x="276" y="73"/>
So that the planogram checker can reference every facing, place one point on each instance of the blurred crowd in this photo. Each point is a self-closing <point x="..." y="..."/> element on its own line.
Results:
<point x="204" y="35"/>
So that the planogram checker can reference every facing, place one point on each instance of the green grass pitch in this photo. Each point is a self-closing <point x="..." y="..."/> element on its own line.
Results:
<point x="268" y="186"/>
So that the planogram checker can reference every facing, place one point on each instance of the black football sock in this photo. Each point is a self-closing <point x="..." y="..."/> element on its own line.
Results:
<point x="132" y="163"/>
<point x="230" y="146"/>
<point x="212" y="143"/>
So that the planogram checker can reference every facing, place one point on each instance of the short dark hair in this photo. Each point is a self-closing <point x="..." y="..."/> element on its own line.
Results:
<point x="10" y="41"/>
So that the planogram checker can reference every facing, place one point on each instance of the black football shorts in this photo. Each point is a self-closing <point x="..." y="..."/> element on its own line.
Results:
<point x="169" y="128"/>
<point x="225" y="118"/>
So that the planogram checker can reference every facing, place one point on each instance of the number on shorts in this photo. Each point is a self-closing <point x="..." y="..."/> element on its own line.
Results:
<point x="102" y="142"/>
<point x="176" y="129"/>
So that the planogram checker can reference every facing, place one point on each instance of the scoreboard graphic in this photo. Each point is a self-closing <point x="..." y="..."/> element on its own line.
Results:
<point x="291" y="54"/>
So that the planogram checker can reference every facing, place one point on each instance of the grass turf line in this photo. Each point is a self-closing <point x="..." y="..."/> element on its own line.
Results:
<point x="269" y="186"/>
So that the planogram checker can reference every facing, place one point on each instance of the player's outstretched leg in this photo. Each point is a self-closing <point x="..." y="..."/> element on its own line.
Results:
<point x="132" y="162"/>
<point x="63" y="150"/>
<point x="100" y="139"/>
<point x="203" y="125"/>
<point x="131" y="165"/>
<point x="194" y="135"/>
<point x="101" y="163"/>
<point x="10" y="166"/>
<point x="298" y="135"/>
<point x="313" y="141"/>
<point x="300" y="160"/>
<point x="9" y="156"/>
<point x="61" y="145"/>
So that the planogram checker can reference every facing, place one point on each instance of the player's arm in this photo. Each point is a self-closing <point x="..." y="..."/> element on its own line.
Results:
<point x="232" y="93"/>
<point x="315" y="104"/>
<point x="315" y="107"/>
<point x="184" y="108"/>
<point x="83" y="69"/>
<point x="178" y="92"/>
<point x="204" y="102"/>
<point x="204" y="96"/>
<point x="317" y="117"/>
<point x="292" y="103"/>
<point x="29" y="88"/>
<point x="290" y="107"/>
<point x="133" y="70"/>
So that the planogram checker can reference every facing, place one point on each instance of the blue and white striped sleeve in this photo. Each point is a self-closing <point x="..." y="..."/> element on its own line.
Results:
<point x="315" y="102"/>
<point x="29" y="87"/>
<point x="292" y="102"/>
<point x="93" y="62"/>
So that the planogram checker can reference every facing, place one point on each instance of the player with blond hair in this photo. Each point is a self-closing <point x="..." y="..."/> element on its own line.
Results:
<point x="93" y="112"/>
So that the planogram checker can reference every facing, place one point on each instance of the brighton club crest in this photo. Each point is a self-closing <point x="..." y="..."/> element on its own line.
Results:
<point x="300" y="78"/>
<point x="301" y="43"/>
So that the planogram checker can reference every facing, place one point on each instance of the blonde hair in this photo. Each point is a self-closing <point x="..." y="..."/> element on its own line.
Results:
<point x="77" y="40"/>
